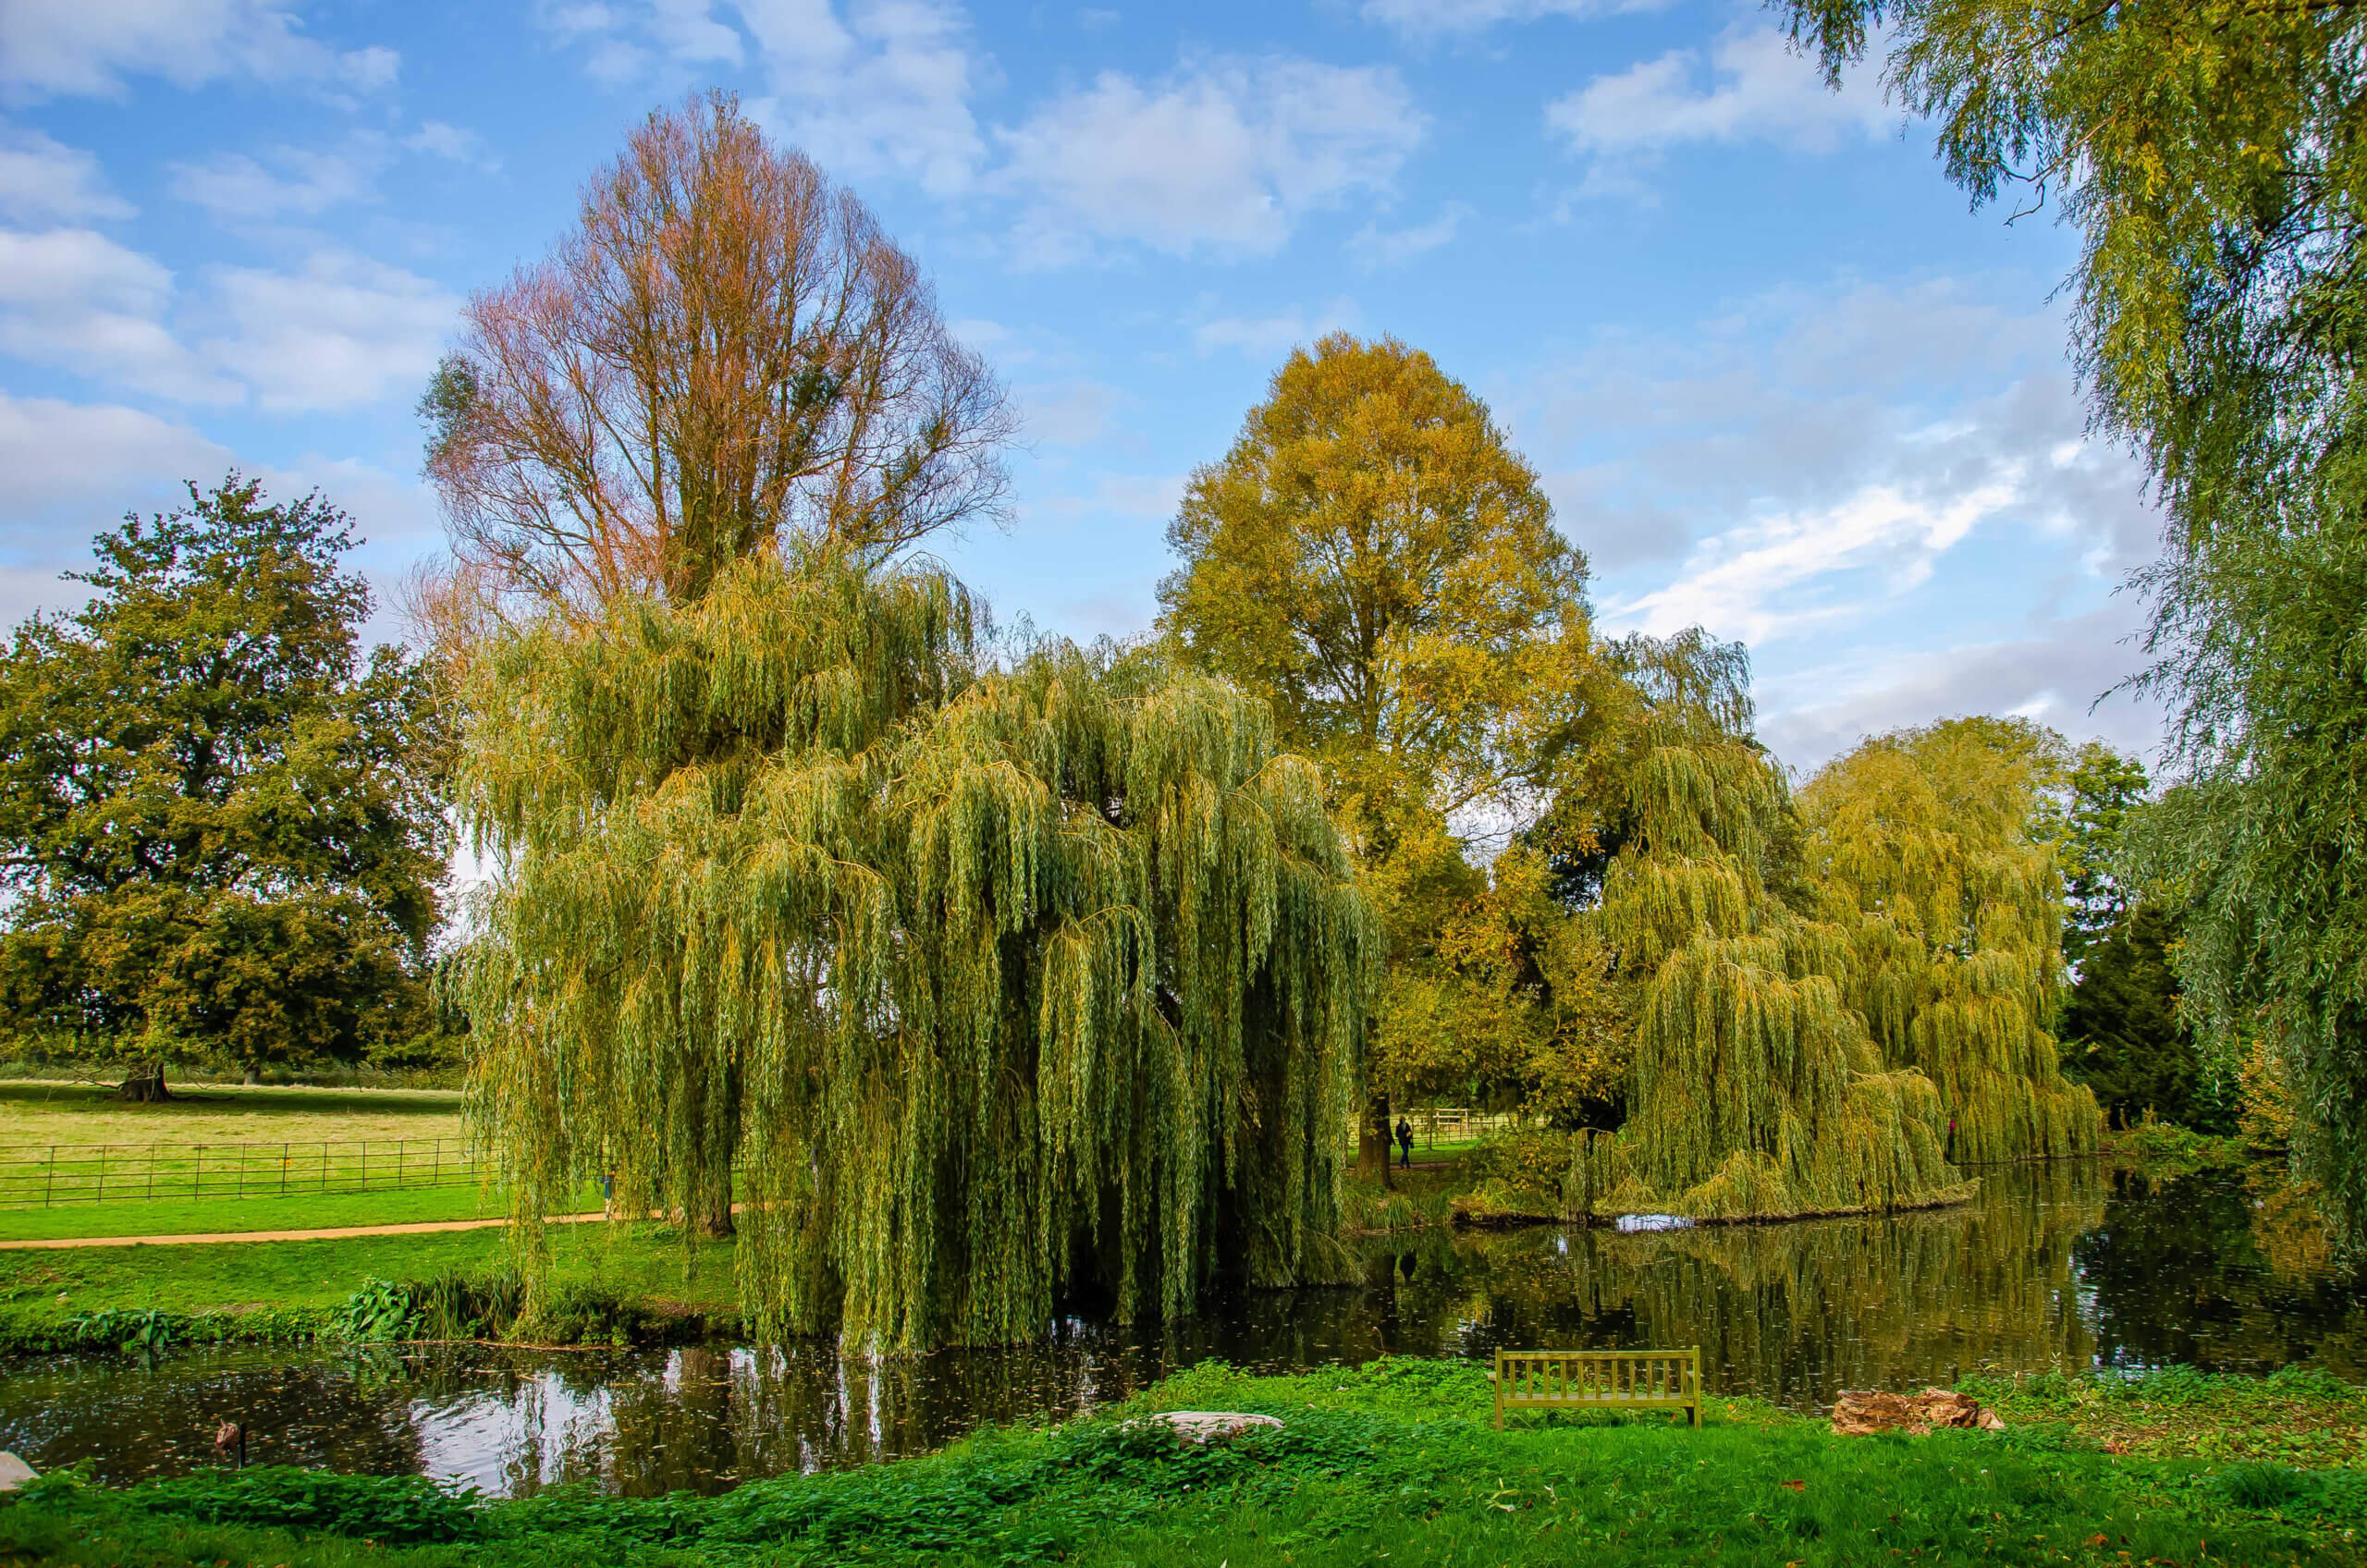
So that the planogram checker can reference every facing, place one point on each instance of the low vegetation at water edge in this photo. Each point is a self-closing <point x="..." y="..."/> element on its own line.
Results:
<point x="1395" y="1459"/>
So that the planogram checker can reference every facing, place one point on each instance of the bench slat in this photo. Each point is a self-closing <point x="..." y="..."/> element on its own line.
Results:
<point x="1628" y="1379"/>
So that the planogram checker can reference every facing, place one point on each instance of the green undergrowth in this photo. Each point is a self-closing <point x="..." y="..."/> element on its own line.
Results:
<point x="608" y="1285"/>
<point x="1395" y="1460"/>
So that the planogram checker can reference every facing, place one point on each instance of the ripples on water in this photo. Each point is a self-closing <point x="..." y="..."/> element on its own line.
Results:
<point x="2055" y="1267"/>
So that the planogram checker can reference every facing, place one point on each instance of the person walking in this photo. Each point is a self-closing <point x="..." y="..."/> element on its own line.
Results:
<point x="1405" y="1142"/>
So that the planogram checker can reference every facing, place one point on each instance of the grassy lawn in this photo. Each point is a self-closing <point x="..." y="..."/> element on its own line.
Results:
<point x="303" y="1211"/>
<point x="644" y="1262"/>
<point x="1394" y="1460"/>
<point x="39" y="1113"/>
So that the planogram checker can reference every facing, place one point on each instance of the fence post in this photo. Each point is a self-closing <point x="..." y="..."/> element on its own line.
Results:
<point x="401" y="1149"/>
<point x="197" y="1173"/>
<point x="102" y="1194"/>
<point x="49" y="1193"/>
<point x="283" y="1171"/>
<point x="152" y="1171"/>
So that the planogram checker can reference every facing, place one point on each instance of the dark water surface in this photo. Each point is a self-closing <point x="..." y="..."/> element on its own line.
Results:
<point x="2065" y="1265"/>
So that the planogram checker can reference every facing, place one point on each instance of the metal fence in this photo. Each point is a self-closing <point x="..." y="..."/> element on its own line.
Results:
<point x="40" y="1175"/>
<point x="1449" y="1125"/>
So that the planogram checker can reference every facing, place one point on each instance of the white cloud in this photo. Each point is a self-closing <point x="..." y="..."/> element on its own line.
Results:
<point x="44" y="181"/>
<point x="344" y="333"/>
<point x="1424" y="19"/>
<point x="1790" y="571"/>
<point x="1223" y="155"/>
<point x="438" y="139"/>
<point x="1376" y="247"/>
<point x="1270" y="337"/>
<point x="862" y="86"/>
<point x="878" y="85"/>
<point x="78" y="300"/>
<point x="101" y="456"/>
<point x="294" y="180"/>
<point x="1751" y="86"/>
<point x="2056" y="673"/>
<point x="1068" y="413"/>
<point x="90" y="46"/>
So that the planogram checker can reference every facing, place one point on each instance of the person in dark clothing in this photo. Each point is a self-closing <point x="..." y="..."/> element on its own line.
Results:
<point x="1405" y="1142"/>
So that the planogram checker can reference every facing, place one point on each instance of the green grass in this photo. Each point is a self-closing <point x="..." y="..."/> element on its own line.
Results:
<point x="647" y="1263"/>
<point x="1393" y="1461"/>
<point x="40" y="1113"/>
<point x="303" y="1211"/>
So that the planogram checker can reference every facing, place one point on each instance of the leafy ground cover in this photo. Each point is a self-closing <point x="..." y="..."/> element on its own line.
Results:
<point x="2299" y="1415"/>
<point x="1393" y="1461"/>
<point x="43" y="1113"/>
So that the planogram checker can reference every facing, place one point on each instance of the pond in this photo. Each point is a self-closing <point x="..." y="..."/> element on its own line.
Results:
<point x="2063" y="1265"/>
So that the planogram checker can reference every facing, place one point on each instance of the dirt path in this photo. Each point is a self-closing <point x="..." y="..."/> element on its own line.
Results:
<point x="419" y="1227"/>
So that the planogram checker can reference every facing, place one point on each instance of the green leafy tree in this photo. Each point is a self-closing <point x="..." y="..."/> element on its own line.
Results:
<point x="981" y="988"/>
<point x="2207" y="152"/>
<point x="1755" y="1087"/>
<point x="2121" y="1026"/>
<point x="1926" y="851"/>
<point x="1373" y="558"/>
<point x="221" y="822"/>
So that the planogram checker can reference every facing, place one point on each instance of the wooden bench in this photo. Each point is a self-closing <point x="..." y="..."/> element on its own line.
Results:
<point x="1598" y="1379"/>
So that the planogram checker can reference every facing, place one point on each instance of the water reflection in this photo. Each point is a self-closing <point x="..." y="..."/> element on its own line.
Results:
<point x="2059" y="1266"/>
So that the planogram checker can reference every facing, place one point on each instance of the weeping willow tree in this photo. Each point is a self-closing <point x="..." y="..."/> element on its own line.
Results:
<point x="978" y="987"/>
<point x="1754" y="1090"/>
<point x="1922" y="851"/>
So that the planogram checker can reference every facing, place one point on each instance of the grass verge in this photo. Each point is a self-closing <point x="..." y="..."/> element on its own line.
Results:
<point x="287" y="1290"/>
<point x="1395" y="1460"/>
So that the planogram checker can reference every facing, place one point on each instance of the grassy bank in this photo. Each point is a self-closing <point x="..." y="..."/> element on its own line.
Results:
<point x="278" y="1290"/>
<point x="1394" y="1460"/>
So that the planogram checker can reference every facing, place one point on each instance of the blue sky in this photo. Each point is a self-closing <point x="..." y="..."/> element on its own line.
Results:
<point x="1778" y="380"/>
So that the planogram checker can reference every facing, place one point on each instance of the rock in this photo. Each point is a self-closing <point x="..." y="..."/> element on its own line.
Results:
<point x="14" y="1473"/>
<point x="1860" y="1411"/>
<point x="1213" y="1426"/>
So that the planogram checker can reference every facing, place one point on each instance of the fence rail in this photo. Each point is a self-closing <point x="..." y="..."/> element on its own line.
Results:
<point x="43" y="1175"/>
<point x="1449" y="1125"/>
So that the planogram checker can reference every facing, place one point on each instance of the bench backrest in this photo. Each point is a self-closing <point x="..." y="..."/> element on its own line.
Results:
<point x="1649" y="1379"/>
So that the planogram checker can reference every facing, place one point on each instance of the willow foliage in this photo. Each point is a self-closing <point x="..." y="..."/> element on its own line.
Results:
<point x="1755" y="1090"/>
<point x="1921" y="849"/>
<point x="978" y="986"/>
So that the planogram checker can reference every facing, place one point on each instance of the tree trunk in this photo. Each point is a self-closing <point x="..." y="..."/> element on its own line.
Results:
<point x="146" y="1084"/>
<point x="254" y="1076"/>
<point x="716" y="1219"/>
<point x="1373" y="1140"/>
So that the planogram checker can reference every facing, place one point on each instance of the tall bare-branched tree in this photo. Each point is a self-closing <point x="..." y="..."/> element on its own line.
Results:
<point x="725" y="350"/>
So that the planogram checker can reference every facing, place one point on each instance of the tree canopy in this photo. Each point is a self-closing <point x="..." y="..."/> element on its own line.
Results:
<point x="996" y="985"/>
<point x="221" y="822"/>
<point x="1925" y="853"/>
<point x="2206" y="152"/>
<point x="1373" y="558"/>
<point x="1756" y="1089"/>
<point x="724" y="351"/>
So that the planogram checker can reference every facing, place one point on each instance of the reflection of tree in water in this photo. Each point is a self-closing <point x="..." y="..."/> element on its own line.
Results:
<point x="1797" y="1312"/>
<point x="2052" y="1265"/>
<point x="136" y="1419"/>
<point x="2232" y="1274"/>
